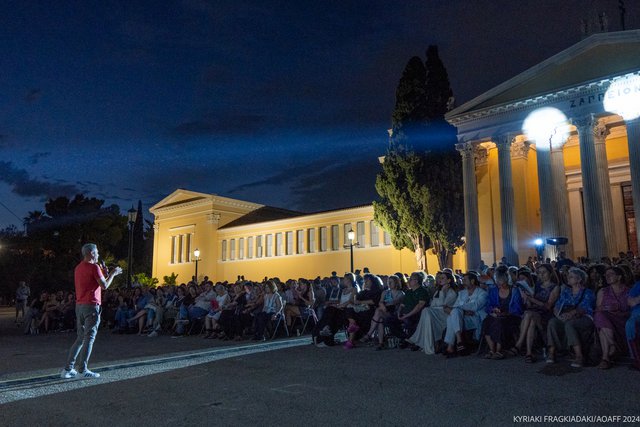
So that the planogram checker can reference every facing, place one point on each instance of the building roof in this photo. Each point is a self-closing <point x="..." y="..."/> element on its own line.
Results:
<point x="592" y="59"/>
<point x="263" y="214"/>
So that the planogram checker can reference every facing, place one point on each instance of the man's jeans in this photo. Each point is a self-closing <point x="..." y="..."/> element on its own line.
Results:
<point x="88" y="320"/>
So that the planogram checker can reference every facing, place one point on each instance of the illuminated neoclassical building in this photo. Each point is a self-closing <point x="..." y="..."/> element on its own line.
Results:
<point x="552" y="152"/>
<point x="555" y="152"/>
<point x="235" y="238"/>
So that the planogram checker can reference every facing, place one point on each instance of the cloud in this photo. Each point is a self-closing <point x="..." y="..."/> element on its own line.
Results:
<point x="35" y="158"/>
<point x="312" y="186"/>
<point x="220" y="124"/>
<point x="23" y="185"/>
<point x="33" y="95"/>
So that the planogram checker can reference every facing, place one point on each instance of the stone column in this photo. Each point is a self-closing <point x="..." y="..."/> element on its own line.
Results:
<point x="507" y="205"/>
<point x="559" y="198"/>
<point x="471" y="226"/>
<point x="600" y="133"/>
<point x="547" y="211"/>
<point x="592" y="195"/>
<point x="633" y="139"/>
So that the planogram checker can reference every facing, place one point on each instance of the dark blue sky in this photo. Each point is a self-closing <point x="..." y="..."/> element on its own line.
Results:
<point x="278" y="102"/>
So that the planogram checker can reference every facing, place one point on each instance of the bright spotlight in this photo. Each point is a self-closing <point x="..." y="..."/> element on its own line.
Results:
<point x="538" y="242"/>
<point x="623" y="97"/>
<point x="547" y="127"/>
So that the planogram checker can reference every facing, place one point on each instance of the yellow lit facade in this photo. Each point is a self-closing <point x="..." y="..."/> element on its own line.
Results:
<point x="518" y="189"/>
<point x="235" y="238"/>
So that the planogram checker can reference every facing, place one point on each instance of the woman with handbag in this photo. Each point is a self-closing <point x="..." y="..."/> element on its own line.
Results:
<point x="359" y="315"/>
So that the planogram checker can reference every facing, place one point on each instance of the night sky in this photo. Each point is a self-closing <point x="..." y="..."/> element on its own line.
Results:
<point x="285" y="103"/>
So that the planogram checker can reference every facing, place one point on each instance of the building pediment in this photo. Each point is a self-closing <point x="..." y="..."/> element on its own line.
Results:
<point x="594" y="59"/>
<point x="180" y="197"/>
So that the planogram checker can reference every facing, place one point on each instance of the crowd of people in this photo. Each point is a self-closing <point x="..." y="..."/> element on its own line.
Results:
<point x="540" y="310"/>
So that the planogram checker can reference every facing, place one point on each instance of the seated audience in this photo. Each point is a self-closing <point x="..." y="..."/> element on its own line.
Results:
<point x="467" y="313"/>
<point x="572" y="325"/>
<point x="611" y="315"/>
<point x="360" y="313"/>
<point x="300" y="300"/>
<point x="633" y="324"/>
<point x="504" y="309"/>
<point x="538" y="308"/>
<point x="334" y="316"/>
<point x="271" y="307"/>
<point x="387" y="307"/>
<point x="433" y="319"/>
<point x="415" y="299"/>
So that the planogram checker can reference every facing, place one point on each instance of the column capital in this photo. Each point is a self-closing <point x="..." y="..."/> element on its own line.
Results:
<point x="213" y="218"/>
<point x="584" y="123"/>
<point x="600" y="132"/>
<point x="504" y="140"/>
<point x="481" y="155"/>
<point x="156" y="226"/>
<point x="520" y="149"/>
<point x="465" y="149"/>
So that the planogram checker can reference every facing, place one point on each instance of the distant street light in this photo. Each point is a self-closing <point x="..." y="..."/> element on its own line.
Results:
<point x="133" y="214"/>
<point x="196" y="254"/>
<point x="539" y="244"/>
<point x="351" y="235"/>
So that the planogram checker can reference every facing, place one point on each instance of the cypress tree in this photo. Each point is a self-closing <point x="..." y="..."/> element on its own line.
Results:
<point x="420" y="185"/>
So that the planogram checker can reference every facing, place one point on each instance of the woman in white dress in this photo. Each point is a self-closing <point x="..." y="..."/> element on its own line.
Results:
<point x="433" y="320"/>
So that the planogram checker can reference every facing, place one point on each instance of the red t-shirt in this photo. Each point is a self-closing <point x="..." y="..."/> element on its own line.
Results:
<point x="88" y="279"/>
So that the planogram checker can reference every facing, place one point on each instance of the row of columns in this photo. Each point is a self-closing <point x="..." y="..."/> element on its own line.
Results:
<point x="554" y="204"/>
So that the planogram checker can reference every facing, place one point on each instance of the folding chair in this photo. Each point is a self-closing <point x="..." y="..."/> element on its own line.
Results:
<point x="306" y="314"/>
<point x="279" y="321"/>
<point x="195" y="323"/>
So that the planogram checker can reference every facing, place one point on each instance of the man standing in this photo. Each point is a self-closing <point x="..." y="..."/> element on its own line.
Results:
<point x="89" y="282"/>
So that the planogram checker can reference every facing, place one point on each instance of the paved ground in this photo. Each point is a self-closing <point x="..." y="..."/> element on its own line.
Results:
<point x="300" y="385"/>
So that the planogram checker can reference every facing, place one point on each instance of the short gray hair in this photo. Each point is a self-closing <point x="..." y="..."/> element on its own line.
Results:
<point x="581" y="273"/>
<point x="87" y="248"/>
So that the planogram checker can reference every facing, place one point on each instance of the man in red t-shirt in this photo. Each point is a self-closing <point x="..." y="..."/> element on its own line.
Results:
<point x="89" y="282"/>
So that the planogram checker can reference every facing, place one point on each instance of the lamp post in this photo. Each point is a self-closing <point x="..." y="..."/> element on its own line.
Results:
<point x="132" y="215"/>
<point x="351" y="235"/>
<point x="196" y="254"/>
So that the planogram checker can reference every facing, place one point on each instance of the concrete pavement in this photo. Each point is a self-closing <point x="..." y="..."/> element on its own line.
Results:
<point x="309" y="386"/>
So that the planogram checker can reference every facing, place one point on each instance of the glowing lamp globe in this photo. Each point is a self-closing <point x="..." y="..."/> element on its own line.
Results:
<point x="623" y="97"/>
<point x="547" y="127"/>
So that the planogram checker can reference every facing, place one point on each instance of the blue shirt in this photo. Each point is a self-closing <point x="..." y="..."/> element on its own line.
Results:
<point x="634" y="292"/>
<point x="585" y="299"/>
<point x="515" y="304"/>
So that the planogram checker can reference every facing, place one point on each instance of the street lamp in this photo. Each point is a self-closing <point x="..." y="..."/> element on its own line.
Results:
<point x="351" y="235"/>
<point x="132" y="215"/>
<point x="547" y="127"/>
<point x="196" y="254"/>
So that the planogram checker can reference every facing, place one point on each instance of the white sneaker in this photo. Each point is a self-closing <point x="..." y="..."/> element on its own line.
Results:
<point x="321" y="345"/>
<point x="153" y="334"/>
<point x="88" y="374"/>
<point x="68" y="374"/>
